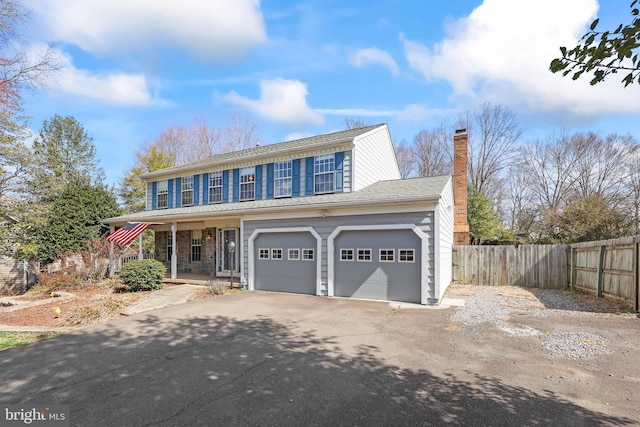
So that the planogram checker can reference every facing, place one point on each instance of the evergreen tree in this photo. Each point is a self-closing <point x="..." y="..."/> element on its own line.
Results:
<point x="484" y="221"/>
<point x="74" y="218"/>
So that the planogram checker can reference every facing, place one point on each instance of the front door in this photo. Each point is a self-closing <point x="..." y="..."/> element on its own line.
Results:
<point x="227" y="260"/>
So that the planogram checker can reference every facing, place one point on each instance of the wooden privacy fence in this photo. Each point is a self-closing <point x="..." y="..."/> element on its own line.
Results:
<point x="536" y="266"/>
<point x="607" y="268"/>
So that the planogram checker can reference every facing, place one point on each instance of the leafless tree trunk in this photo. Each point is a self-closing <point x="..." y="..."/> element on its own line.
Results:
<point x="493" y="133"/>
<point x="405" y="158"/>
<point x="433" y="151"/>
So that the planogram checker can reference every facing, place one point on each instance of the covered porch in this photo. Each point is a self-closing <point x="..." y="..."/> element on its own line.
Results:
<point x="199" y="250"/>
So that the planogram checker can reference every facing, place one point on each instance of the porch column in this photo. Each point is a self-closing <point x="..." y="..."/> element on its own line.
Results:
<point x="174" y="255"/>
<point x="140" y="256"/>
<point x="112" y="261"/>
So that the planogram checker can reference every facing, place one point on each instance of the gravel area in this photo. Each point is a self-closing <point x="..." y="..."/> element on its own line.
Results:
<point x="488" y="309"/>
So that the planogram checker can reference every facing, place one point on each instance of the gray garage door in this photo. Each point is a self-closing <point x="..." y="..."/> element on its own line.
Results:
<point x="285" y="262"/>
<point x="378" y="264"/>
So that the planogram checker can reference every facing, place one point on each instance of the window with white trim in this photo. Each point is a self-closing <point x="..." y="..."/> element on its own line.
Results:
<point x="162" y="197"/>
<point x="324" y="173"/>
<point x="406" y="255"/>
<point x="346" y="254"/>
<point x="196" y="245"/>
<point x="282" y="173"/>
<point x="364" y="255"/>
<point x="187" y="190"/>
<point x="294" y="254"/>
<point x="307" y="254"/>
<point x="263" y="253"/>
<point x="215" y="187"/>
<point x="276" y="253"/>
<point x="248" y="183"/>
<point x="387" y="255"/>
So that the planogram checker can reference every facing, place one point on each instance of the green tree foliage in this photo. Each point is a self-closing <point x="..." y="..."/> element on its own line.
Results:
<point x="63" y="153"/>
<point x="484" y="221"/>
<point x="74" y="218"/>
<point x="592" y="218"/>
<point x="604" y="52"/>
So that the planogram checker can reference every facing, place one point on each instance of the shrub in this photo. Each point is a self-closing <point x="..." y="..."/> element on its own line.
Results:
<point x="143" y="275"/>
<point x="216" y="288"/>
<point x="100" y="309"/>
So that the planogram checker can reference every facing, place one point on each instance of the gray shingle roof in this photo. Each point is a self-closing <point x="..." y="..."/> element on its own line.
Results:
<point x="266" y="150"/>
<point x="382" y="192"/>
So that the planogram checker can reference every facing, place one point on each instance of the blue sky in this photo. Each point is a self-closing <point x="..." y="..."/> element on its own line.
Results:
<point x="135" y="67"/>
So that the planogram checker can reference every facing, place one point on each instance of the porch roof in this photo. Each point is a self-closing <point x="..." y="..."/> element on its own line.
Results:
<point x="381" y="193"/>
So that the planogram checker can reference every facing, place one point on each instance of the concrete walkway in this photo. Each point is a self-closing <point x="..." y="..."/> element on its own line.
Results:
<point x="162" y="298"/>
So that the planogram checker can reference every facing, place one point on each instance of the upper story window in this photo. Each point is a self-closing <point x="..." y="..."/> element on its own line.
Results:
<point x="282" y="179"/>
<point x="187" y="190"/>
<point x="163" y="194"/>
<point x="324" y="173"/>
<point x="215" y="187"/>
<point x="248" y="183"/>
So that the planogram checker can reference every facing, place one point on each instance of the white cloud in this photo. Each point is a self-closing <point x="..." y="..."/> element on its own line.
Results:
<point x="359" y="112"/>
<point x="501" y="53"/>
<point x="114" y="88"/>
<point x="212" y="30"/>
<point x="281" y="101"/>
<point x="414" y="113"/>
<point x="374" y="56"/>
<point x="297" y="135"/>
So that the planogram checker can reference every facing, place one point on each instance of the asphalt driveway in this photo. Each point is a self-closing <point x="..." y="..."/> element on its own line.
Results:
<point x="277" y="359"/>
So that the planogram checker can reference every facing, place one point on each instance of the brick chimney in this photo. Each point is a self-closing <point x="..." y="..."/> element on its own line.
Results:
<point x="460" y="224"/>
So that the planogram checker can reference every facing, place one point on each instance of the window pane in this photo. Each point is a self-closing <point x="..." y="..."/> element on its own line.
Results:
<point x="215" y="187"/>
<point x="282" y="179"/>
<point x="324" y="173"/>
<point x="247" y="183"/>
<point x="163" y="194"/>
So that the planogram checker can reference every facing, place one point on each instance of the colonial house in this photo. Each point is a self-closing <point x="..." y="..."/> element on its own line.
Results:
<point x="325" y="215"/>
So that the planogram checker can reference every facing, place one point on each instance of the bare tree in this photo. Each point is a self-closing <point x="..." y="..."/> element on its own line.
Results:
<point x="18" y="70"/>
<point x="355" y="123"/>
<point x="493" y="133"/>
<point x="240" y="134"/>
<point x="433" y="151"/>
<point x="405" y="158"/>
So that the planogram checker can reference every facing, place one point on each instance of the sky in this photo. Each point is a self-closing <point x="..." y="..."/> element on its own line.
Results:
<point x="132" y="68"/>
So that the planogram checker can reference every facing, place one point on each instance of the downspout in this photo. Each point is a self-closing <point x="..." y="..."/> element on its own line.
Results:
<point x="174" y="254"/>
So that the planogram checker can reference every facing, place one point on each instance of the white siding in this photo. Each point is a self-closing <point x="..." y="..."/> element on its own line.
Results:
<point x="149" y="196"/>
<point x="444" y="241"/>
<point x="374" y="159"/>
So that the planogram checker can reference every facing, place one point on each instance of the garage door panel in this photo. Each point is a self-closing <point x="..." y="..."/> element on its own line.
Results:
<point x="395" y="281"/>
<point x="285" y="275"/>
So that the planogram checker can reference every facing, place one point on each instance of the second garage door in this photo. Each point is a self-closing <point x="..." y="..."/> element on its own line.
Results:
<point x="286" y="262"/>
<point x="378" y="264"/>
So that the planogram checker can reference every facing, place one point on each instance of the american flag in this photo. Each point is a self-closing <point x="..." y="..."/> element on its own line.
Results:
<point x="127" y="234"/>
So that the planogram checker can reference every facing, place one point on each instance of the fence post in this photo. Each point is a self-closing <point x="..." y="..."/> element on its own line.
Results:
<point x="572" y="267"/>
<point x="601" y="271"/>
<point x="636" y="276"/>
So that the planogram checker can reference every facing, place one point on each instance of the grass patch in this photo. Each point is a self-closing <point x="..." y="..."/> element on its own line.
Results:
<point x="15" y="339"/>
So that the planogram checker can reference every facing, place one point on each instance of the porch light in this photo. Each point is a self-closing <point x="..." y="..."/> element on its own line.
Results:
<point x="209" y="236"/>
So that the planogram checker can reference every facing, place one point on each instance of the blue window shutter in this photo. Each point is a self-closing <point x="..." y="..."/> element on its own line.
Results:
<point x="236" y="185"/>
<point x="339" y="158"/>
<point x="196" y="189"/>
<point x="170" y="193"/>
<point x="258" y="182"/>
<point x="308" y="178"/>
<point x="154" y="195"/>
<point x="205" y="188"/>
<point x="225" y="186"/>
<point x="178" y="192"/>
<point x="295" y="177"/>
<point x="270" y="189"/>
